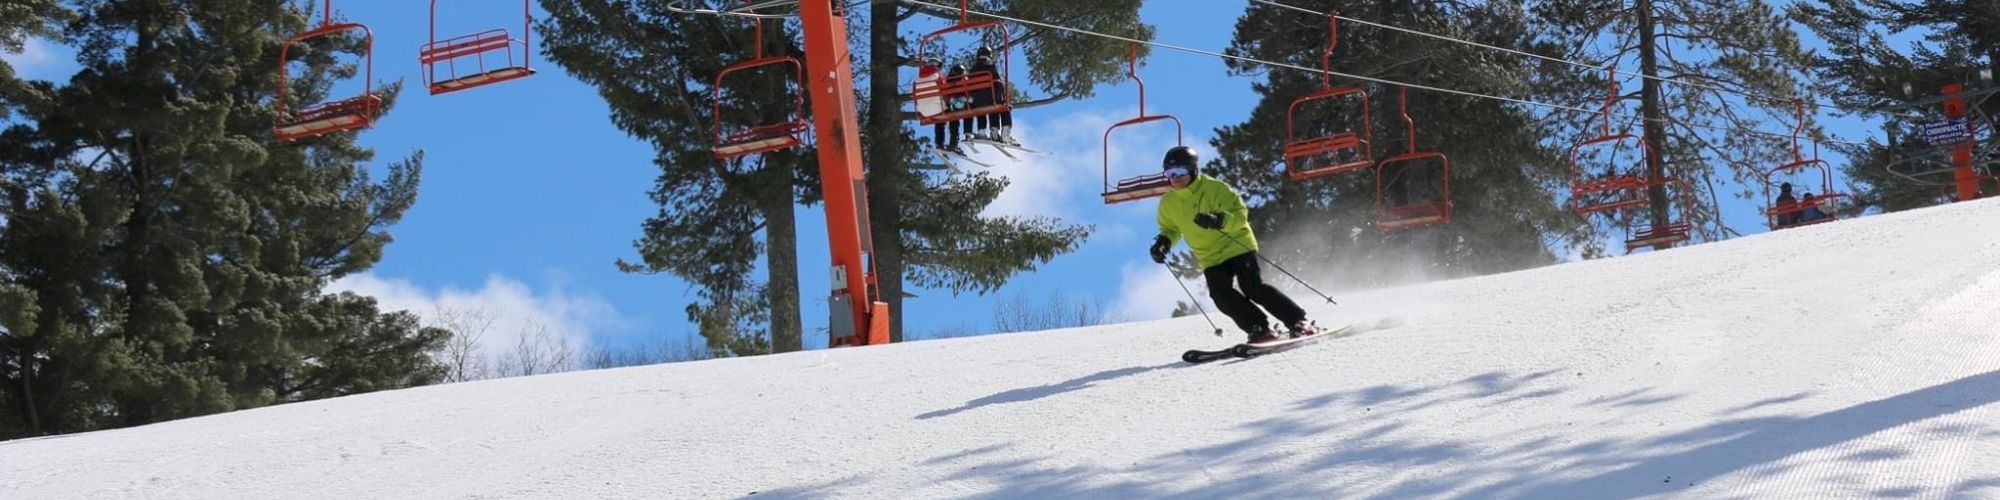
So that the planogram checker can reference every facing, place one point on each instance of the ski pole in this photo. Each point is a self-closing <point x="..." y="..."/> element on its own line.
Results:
<point x="1281" y="269"/>
<point x="1196" y="302"/>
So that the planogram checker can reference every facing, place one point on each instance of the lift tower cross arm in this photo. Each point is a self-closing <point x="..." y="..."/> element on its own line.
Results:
<point x="859" y="318"/>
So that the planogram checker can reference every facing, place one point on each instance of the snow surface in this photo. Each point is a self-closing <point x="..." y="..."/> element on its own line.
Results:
<point x="1860" y="358"/>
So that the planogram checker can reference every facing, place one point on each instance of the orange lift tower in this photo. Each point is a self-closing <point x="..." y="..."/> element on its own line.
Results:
<point x="1961" y="156"/>
<point x="859" y="318"/>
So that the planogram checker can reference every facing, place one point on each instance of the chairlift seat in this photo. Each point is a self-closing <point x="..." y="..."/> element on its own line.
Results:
<point x="447" y="52"/>
<point x="1300" y="156"/>
<point x="1651" y="236"/>
<point x="962" y="87"/>
<point x="1139" y="188"/>
<point x="1415" y="215"/>
<point x="1629" y="191"/>
<point x="761" y="139"/>
<point x="465" y="46"/>
<point x="327" y="118"/>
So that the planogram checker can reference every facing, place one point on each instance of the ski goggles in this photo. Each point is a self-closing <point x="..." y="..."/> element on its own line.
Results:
<point x="1177" y="171"/>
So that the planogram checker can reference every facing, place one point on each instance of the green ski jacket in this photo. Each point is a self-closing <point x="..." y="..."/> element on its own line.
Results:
<point x="1205" y="194"/>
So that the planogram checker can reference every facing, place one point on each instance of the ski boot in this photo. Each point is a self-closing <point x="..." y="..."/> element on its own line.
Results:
<point x="1263" y="335"/>
<point x="1304" y="328"/>
<point x="1006" y="136"/>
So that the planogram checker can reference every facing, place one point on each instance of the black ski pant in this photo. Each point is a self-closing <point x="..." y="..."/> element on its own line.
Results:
<point x="1242" y="306"/>
<point x="939" y="138"/>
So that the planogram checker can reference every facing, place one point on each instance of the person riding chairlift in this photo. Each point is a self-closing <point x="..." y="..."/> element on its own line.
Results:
<point x="1787" y="206"/>
<point x="997" y="127"/>
<point x="930" y="76"/>
<point x="1811" y="212"/>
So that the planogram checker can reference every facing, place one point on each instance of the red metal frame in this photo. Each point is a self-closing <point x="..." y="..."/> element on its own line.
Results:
<point x="1626" y="189"/>
<point x="1412" y="214"/>
<point x="336" y="116"/>
<point x="1142" y="186"/>
<point x="945" y="87"/>
<point x="737" y="142"/>
<point x="1319" y="156"/>
<point x="476" y="46"/>
<point x="1666" y="235"/>
<point x="1776" y="215"/>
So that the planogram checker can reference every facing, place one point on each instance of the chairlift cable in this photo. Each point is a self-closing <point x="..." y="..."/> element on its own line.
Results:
<point x="1192" y="50"/>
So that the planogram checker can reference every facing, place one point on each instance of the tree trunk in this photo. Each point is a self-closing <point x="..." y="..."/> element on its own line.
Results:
<point x="1651" y="108"/>
<point x="885" y="159"/>
<point x="781" y="260"/>
<point x="27" y="400"/>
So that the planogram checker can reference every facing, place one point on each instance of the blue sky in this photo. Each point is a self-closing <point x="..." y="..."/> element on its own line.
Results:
<point x="530" y="194"/>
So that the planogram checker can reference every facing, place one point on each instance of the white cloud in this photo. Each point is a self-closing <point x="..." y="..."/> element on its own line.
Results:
<point x="1147" y="291"/>
<point x="1070" y="171"/>
<point x="515" y="308"/>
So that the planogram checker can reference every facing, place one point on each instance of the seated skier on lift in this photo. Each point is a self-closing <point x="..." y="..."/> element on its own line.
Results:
<point x="1216" y="224"/>
<point x="997" y="127"/>
<point x="1811" y="213"/>
<point x="929" y="78"/>
<point x="1787" y="206"/>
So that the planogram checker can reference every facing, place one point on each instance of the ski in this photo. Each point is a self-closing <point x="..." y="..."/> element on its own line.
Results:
<point x="1247" y="351"/>
<point x="1004" y="147"/>
<point x="1197" y="356"/>
<point x="948" y="155"/>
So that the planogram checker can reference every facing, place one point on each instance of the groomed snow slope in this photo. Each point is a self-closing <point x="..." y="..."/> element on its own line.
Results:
<point x="1854" y="359"/>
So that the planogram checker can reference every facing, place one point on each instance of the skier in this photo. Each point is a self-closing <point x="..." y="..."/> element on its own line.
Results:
<point x="930" y="79"/>
<point x="1811" y="212"/>
<point x="998" y="126"/>
<point x="1786" y="206"/>
<point x="1216" y="224"/>
<point x="958" y="102"/>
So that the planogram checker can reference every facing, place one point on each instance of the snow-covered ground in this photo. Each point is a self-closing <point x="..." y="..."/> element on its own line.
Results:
<point x="1854" y="359"/>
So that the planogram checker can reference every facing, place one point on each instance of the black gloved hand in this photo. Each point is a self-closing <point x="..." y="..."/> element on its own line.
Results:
<point x="1160" y="246"/>
<point x="1211" y="220"/>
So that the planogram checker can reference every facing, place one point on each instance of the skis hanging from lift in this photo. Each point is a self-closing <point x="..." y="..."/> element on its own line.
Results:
<point x="971" y="145"/>
<point x="1006" y="148"/>
<point x="953" y="156"/>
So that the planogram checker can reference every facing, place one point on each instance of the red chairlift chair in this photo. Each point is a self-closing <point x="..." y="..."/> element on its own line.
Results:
<point x="329" y="117"/>
<point x="733" y="142"/>
<point x="944" y="89"/>
<point x="1614" y="190"/>
<point x="1333" y="153"/>
<point x="1784" y="216"/>
<point x="1413" y="213"/>
<point x="1665" y="234"/>
<point x="475" y="46"/>
<point x="1146" y="185"/>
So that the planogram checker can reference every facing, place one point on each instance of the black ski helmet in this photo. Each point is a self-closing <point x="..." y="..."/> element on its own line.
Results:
<point x="985" y="51"/>
<point x="1182" y="156"/>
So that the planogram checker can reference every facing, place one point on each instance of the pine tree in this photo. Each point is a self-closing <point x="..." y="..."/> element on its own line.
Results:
<point x="164" y="253"/>
<point x="1501" y="174"/>
<point x="21" y="20"/>
<point x="927" y="225"/>
<point x="1735" y="67"/>
<point x="1861" y="69"/>
<point x="656" y="68"/>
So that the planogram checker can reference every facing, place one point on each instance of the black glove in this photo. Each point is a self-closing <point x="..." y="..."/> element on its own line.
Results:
<point x="1160" y="246"/>
<point x="1211" y="220"/>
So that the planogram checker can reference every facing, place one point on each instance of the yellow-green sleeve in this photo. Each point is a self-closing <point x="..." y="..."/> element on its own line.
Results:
<point x="1168" y="228"/>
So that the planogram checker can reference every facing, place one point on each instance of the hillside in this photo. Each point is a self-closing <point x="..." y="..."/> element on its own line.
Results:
<point x="1860" y="358"/>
